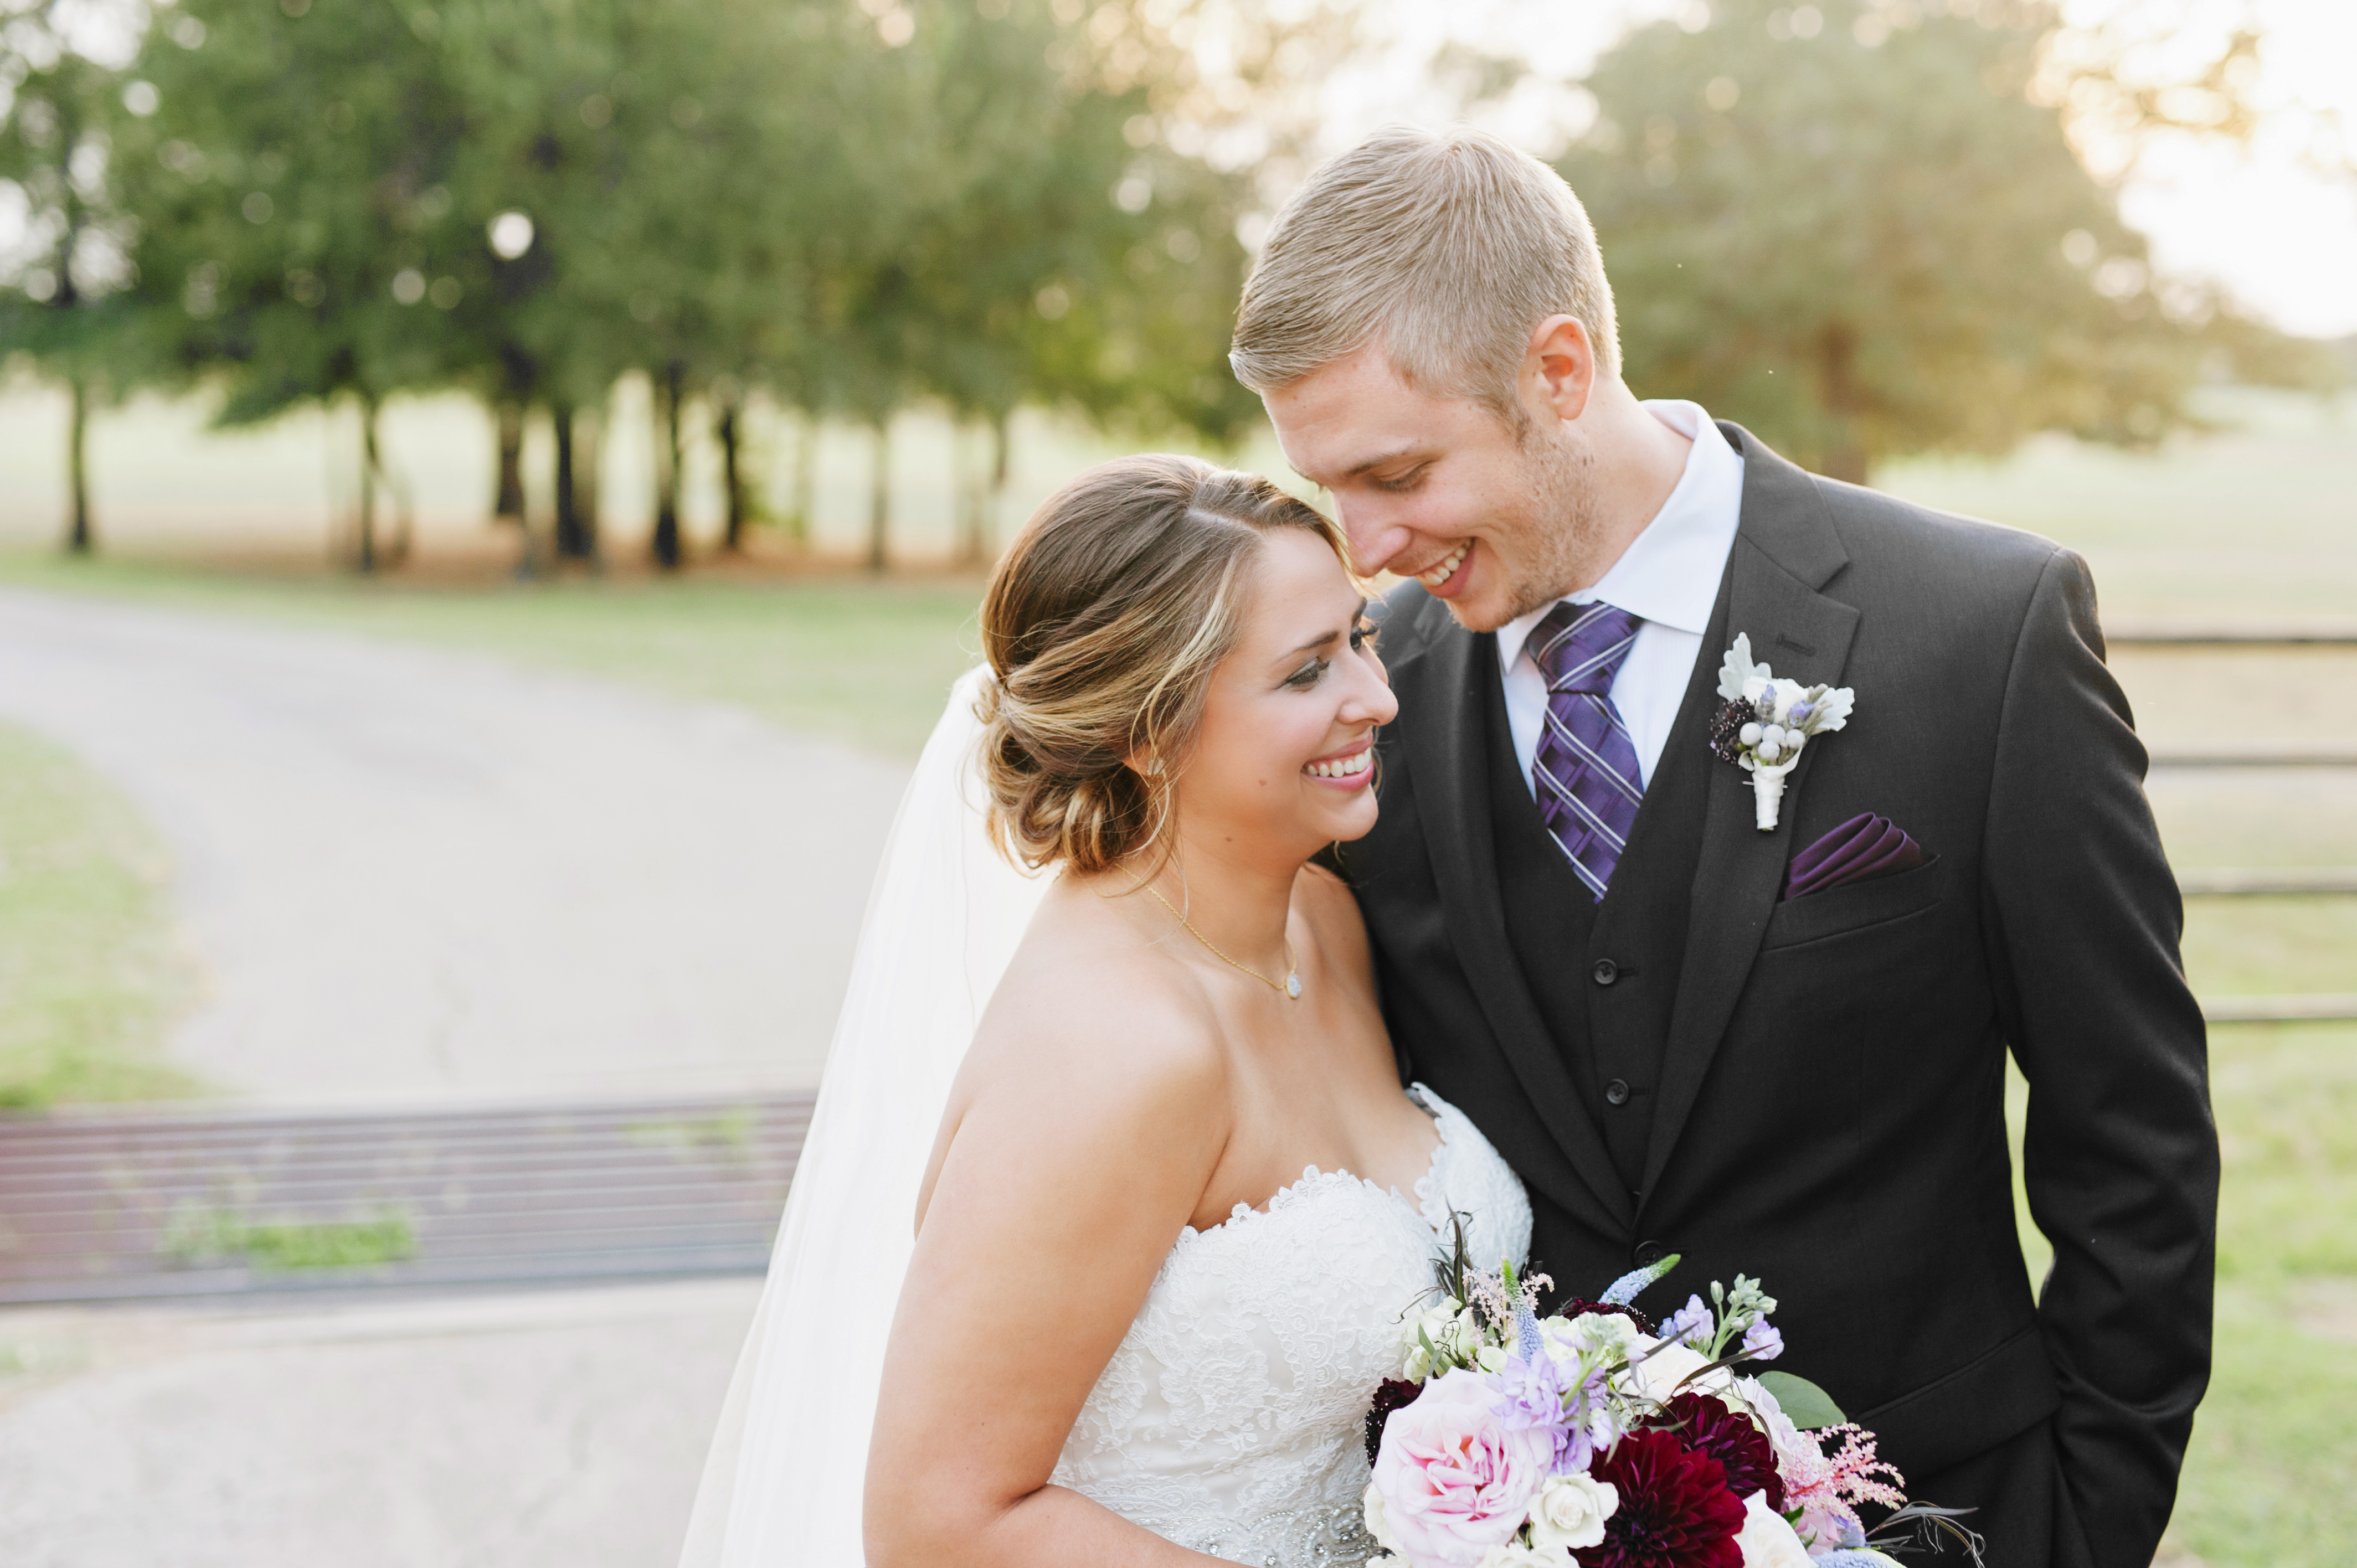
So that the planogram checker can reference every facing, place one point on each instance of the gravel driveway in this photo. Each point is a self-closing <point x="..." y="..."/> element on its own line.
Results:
<point x="408" y="873"/>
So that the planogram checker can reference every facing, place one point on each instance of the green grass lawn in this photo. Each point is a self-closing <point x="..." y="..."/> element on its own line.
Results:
<point x="87" y="966"/>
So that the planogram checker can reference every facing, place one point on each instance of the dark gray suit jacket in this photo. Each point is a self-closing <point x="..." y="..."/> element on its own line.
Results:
<point x="1828" y="1113"/>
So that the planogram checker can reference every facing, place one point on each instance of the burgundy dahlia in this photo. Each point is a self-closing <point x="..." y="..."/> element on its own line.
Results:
<point x="1707" y="1426"/>
<point x="1390" y="1394"/>
<point x="1676" y="1510"/>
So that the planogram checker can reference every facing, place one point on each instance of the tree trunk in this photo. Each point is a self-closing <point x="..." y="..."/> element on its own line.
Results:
<point x="568" y="542"/>
<point x="1844" y="458"/>
<point x="79" y="538"/>
<point x="668" y="553"/>
<point x="879" y="497"/>
<point x="965" y="494"/>
<point x="733" y="475"/>
<point x="798" y="523"/>
<point x="995" y="500"/>
<point x="364" y="556"/>
<point x="588" y="432"/>
<point x="507" y="505"/>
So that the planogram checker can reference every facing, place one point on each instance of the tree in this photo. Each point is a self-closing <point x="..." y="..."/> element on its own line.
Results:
<point x="1861" y="239"/>
<point x="62" y="103"/>
<point x="1073" y="256"/>
<point x="296" y="234"/>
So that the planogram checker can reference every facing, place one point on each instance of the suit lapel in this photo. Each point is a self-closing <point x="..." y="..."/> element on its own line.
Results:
<point x="1785" y="550"/>
<point x="1445" y="753"/>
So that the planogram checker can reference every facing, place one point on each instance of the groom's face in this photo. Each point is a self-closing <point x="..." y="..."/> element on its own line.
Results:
<point x="1493" y="520"/>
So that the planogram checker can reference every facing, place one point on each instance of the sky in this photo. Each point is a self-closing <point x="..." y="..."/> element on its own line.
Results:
<point x="2280" y="237"/>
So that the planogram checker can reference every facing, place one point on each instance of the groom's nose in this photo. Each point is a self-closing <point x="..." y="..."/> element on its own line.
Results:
<point x="1375" y="539"/>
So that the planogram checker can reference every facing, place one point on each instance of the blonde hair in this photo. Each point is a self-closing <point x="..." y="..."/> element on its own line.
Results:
<point x="1102" y="626"/>
<point x="1448" y="245"/>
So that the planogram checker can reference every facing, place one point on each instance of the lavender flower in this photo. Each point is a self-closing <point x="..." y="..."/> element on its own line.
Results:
<point x="1530" y="1397"/>
<point x="1689" y="1325"/>
<point x="1761" y="1341"/>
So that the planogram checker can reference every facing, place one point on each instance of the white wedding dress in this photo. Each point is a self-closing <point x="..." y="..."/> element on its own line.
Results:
<point x="1233" y="1417"/>
<point x="1230" y="1417"/>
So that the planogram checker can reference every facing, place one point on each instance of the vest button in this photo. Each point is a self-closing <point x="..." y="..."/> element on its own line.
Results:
<point x="1617" y="1091"/>
<point x="1606" y="971"/>
<point x="1648" y="1253"/>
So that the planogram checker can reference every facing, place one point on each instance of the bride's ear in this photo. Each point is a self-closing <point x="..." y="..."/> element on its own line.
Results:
<point x="1144" y="761"/>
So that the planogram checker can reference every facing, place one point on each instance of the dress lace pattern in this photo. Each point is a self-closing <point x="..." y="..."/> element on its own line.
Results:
<point x="1231" y="1417"/>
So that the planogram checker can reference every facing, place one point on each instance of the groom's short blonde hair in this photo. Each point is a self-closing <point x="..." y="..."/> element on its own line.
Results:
<point x="1449" y="246"/>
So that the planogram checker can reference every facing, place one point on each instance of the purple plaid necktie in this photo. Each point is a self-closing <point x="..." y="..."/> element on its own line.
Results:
<point x="1585" y="774"/>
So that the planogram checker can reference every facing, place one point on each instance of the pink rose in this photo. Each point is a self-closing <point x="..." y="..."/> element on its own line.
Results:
<point x="1455" y="1480"/>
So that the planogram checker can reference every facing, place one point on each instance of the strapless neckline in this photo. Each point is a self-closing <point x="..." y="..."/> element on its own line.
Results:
<point x="1311" y="1176"/>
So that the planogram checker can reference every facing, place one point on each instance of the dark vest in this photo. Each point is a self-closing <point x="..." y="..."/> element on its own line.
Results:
<point x="1605" y="976"/>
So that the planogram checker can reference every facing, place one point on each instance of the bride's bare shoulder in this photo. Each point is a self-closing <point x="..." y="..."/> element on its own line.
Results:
<point x="1086" y="1007"/>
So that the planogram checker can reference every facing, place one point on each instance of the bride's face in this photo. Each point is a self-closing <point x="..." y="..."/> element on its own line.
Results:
<point x="1284" y="761"/>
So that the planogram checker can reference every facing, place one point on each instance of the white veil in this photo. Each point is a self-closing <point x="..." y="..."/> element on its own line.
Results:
<point x="782" y="1484"/>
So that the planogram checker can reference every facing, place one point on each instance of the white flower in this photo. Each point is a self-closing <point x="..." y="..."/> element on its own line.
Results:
<point x="1662" y="1374"/>
<point x="1570" y="1511"/>
<point x="1491" y="1357"/>
<point x="1518" y="1553"/>
<point x="1451" y="1330"/>
<point x="1378" y="1525"/>
<point x="1607" y="1335"/>
<point x="1388" y="1561"/>
<point x="1766" y="1540"/>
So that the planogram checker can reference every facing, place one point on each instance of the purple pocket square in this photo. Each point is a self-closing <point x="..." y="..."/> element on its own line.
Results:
<point x="1866" y="845"/>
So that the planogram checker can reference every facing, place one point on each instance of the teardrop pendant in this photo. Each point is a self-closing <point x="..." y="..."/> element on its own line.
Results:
<point x="1293" y="986"/>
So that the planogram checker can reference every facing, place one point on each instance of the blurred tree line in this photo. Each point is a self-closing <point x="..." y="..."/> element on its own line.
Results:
<point x="1865" y="228"/>
<point x="841" y="207"/>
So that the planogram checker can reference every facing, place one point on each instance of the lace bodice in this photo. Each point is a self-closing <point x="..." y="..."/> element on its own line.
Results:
<point x="1231" y="1417"/>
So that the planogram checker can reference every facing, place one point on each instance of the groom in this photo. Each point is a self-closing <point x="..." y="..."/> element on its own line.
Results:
<point x="1778" y="1051"/>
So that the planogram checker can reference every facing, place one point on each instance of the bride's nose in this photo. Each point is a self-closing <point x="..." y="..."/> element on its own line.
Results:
<point x="1369" y="700"/>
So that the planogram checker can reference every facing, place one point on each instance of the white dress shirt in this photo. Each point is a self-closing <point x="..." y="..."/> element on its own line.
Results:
<point x="1668" y="578"/>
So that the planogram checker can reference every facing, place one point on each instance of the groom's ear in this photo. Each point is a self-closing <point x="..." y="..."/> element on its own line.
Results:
<point x="1559" y="372"/>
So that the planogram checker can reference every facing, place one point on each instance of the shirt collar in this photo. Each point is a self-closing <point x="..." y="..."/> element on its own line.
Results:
<point x="1670" y="572"/>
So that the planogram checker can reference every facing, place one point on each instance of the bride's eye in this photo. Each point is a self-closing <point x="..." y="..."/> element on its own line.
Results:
<point x="1308" y="675"/>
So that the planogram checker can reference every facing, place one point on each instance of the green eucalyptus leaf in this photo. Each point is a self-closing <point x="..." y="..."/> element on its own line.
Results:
<point x="1808" y="1406"/>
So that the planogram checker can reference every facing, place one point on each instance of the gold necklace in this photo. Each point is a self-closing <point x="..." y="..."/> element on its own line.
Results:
<point x="1292" y="985"/>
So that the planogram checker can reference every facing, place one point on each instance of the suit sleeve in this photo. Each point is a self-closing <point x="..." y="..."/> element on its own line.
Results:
<point x="2081" y="921"/>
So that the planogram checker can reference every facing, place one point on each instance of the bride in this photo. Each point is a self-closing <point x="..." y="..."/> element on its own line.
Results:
<point x="1177" y="1201"/>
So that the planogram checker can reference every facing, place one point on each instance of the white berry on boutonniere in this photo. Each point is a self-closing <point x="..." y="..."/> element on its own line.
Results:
<point x="1763" y="722"/>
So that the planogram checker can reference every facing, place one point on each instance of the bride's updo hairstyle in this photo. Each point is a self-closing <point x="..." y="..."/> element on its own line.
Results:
<point x="1102" y="625"/>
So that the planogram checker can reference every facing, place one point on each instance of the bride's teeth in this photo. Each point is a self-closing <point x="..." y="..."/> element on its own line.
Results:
<point x="1348" y="768"/>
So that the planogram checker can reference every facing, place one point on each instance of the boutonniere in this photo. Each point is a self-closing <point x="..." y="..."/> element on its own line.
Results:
<point x="1765" y="721"/>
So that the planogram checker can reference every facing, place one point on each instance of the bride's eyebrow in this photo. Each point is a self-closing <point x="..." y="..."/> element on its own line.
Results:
<point x="1325" y="638"/>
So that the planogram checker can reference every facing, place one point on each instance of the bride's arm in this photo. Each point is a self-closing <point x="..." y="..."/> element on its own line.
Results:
<point x="1082" y="1140"/>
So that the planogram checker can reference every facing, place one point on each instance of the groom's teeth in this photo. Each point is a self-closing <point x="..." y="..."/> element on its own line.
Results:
<point x="1349" y="766"/>
<point x="1447" y="569"/>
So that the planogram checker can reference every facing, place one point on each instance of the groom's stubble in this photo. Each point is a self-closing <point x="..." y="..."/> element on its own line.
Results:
<point x="1552" y="544"/>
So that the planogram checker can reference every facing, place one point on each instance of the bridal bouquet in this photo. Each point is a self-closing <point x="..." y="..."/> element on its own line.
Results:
<point x="1599" y="1438"/>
